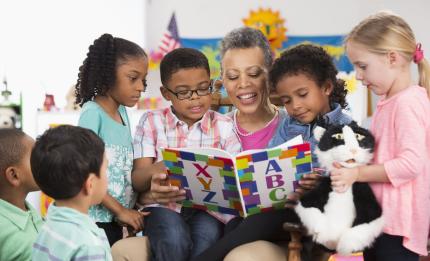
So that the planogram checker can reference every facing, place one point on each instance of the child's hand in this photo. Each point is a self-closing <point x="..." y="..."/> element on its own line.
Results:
<point x="162" y="192"/>
<point x="132" y="218"/>
<point x="309" y="181"/>
<point x="293" y="198"/>
<point x="145" y="198"/>
<point x="343" y="178"/>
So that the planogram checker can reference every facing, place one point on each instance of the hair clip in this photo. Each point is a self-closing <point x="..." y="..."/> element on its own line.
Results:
<point x="418" y="54"/>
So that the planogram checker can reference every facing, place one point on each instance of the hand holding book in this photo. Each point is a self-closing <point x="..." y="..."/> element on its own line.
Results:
<point x="163" y="192"/>
<point x="251" y="182"/>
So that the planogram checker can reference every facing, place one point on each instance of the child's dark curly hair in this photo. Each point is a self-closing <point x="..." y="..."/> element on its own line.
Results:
<point x="315" y="63"/>
<point x="98" y="72"/>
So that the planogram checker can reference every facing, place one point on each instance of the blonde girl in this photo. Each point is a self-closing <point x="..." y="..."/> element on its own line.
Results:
<point x="382" y="48"/>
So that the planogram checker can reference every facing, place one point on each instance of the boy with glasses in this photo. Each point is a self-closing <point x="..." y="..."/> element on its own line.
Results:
<point x="177" y="233"/>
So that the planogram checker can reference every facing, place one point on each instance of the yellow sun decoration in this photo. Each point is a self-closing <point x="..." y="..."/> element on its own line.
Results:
<point x="270" y="24"/>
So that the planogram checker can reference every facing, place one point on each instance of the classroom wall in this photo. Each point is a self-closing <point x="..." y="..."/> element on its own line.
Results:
<point x="44" y="42"/>
<point x="303" y="17"/>
<point x="196" y="20"/>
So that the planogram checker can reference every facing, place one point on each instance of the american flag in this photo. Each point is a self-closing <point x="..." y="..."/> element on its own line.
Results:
<point x="170" y="40"/>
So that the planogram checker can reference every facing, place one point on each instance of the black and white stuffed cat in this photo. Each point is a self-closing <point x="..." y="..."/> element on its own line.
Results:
<point x="345" y="222"/>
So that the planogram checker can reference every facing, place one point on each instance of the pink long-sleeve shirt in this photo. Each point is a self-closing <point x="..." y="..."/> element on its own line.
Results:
<point x="401" y="126"/>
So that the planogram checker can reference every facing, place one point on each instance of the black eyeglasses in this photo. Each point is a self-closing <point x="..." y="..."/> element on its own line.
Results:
<point x="187" y="94"/>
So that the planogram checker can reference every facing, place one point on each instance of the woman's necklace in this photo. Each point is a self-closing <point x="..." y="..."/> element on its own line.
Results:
<point x="236" y="127"/>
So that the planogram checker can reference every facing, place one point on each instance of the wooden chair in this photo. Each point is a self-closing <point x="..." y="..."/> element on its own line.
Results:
<point x="295" y="244"/>
<point x="295" y="230"/>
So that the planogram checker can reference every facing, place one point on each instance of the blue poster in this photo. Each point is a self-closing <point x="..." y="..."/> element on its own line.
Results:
<point x="332" y="44"/>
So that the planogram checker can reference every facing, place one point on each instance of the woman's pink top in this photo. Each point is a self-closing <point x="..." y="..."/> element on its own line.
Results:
<point x="401" y="126"/>
<point x="258" y="139"/>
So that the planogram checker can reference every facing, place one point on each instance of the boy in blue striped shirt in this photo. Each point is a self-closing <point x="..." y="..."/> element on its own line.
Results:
<point x="69" y="164"/>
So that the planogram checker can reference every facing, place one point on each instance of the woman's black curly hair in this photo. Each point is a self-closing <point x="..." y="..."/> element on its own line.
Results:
<point x="97" y="74"/>
<point x="315" y="63"/>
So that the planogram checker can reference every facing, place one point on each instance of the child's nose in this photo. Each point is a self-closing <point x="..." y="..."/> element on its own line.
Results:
<point x="296" y="104"/>
<point x="194" y="95"/>
<point x="358" y="75"/>
<point x="141" y="87"/>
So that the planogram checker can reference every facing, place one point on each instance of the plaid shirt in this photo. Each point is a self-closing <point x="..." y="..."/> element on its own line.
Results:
<point x="159" y="129"/>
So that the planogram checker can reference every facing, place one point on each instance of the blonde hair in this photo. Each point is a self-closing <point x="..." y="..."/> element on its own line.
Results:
<point x="384" y="32"/>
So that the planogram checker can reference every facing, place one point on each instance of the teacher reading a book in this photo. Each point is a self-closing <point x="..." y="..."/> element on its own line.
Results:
<point x="246" y="58"/>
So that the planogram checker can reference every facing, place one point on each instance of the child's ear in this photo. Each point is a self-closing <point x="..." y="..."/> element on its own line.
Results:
<point x="328" y="87"/>
<point x="318" y="132"/>
<point x="88" y="186"/>
<point x="392" y="57"/>
<point x="165" y="93"/>
<point x="12" y="175"/>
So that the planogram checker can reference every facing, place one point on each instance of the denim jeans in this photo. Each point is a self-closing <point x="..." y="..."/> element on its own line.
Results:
<point x="175" y="236"/>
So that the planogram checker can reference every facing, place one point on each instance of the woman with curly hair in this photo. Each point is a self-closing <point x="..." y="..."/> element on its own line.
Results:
<point x="112" y="76"/>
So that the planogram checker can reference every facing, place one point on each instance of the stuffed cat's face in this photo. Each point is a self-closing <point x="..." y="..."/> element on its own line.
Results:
<point x="349" y="145"/>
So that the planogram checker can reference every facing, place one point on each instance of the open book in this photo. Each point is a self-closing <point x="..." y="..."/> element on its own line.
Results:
<point x="251" y="182"/>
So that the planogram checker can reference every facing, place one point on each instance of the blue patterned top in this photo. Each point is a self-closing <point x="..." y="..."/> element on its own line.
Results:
<point x="119" y="152"/>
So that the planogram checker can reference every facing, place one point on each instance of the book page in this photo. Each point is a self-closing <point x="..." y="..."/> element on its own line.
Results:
<point x="211" y="176"/>
<point x="214" y="152"/>
<point x="266" y="177"/>
<point x="207" y="176"/>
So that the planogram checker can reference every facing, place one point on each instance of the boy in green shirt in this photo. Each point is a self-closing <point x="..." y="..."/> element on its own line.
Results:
<point x="19" y="221"/>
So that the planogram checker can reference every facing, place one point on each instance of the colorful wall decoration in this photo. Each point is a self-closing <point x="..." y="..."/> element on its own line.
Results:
<point x="272" y="26"/>
<point x="169" y="42"/>
<point x="332" y="44"/>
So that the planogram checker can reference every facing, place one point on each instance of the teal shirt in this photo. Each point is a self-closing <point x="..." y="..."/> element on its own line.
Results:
<point x="70" y="235"/>
<point x="119" y="151"/>
<point x="18" y="231"/>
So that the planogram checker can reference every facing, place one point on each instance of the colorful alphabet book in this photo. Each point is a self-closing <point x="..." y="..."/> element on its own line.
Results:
<point x="251" y="182"/>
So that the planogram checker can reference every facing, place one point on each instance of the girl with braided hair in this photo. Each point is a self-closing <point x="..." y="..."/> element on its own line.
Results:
<point x="112" y="76"/>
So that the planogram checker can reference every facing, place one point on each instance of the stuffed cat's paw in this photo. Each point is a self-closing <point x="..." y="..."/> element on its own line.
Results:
<point x="360" y="237"/>
<point x="312" y="219"/>
<point x="352" y="240"/>
<point x="347" y="245"/>
<point x="326" y="239"/>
